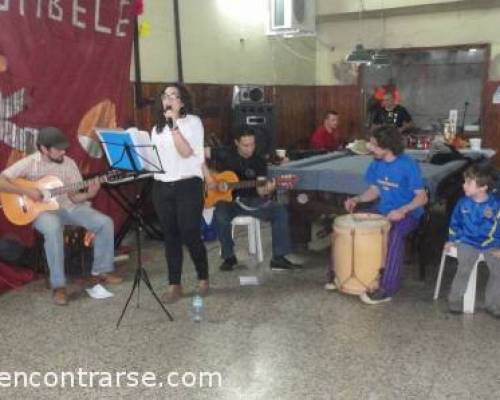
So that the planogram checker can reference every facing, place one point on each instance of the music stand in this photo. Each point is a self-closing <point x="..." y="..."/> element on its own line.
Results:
<point x="133" y="151"/>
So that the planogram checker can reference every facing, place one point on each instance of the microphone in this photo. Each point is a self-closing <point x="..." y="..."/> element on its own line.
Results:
<point x="170" y="121"/>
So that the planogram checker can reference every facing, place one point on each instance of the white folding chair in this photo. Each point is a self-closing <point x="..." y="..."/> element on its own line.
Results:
<point x="254" y="237"/>
<point x="470" y="293"/>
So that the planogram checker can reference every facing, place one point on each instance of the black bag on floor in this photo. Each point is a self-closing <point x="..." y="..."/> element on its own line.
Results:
<point x="15" y="253"/>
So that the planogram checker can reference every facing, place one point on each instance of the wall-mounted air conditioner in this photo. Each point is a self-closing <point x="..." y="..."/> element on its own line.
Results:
<point x="292" y="17"/>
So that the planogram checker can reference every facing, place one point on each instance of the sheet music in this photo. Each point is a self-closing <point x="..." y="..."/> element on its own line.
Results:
<point x="142" y="150"/>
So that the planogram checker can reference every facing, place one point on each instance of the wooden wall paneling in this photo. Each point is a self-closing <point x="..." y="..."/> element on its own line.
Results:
<point x="295" y="115"/>
<point x="346" y="100"/>
<point x="144" y="117"/>
<point x="490" y="123"/>
<point x="299" y="109"/>
<point x="212" y="102"/>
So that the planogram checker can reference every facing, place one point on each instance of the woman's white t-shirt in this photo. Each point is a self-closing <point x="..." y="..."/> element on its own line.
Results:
<point x="175" y="166"/>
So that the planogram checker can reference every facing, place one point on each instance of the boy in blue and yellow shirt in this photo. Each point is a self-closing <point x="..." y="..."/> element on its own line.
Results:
<point x="474" y="229"/>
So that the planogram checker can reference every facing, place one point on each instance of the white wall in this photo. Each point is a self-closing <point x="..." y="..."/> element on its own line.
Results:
<point x="329" y="7"/>
<point x="223" y="41"/>
<point x="158" y="55"/>
<point x="420" y="30"/>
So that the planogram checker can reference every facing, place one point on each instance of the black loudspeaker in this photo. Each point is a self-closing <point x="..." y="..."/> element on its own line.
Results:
<point x="260" y="118"/>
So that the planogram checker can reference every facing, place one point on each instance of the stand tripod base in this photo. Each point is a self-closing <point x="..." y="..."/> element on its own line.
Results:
<point x="141" y="274"/>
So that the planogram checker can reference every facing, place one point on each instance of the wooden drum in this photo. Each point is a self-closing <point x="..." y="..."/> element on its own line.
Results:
<point x="359" y="246"/>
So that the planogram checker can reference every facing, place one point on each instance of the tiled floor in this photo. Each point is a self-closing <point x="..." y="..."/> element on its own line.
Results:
<point x="284" y="339"/>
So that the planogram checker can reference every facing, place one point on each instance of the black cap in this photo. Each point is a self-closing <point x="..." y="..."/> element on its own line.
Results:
<point x="52" y="137"/>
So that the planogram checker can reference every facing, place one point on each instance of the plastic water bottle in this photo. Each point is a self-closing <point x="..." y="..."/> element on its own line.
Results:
<point x="197" y="308"/>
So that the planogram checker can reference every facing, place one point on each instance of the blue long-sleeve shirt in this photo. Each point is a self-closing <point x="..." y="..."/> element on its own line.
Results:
<point x="476" y="224"/>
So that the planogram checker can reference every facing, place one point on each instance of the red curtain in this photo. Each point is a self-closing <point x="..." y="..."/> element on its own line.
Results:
<point x="64" y="64"/>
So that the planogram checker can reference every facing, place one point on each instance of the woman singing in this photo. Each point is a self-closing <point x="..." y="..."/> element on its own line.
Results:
<point x="178" y="191"/>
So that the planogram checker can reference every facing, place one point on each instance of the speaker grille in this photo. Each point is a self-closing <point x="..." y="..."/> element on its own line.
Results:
<point x="260" y="118"/>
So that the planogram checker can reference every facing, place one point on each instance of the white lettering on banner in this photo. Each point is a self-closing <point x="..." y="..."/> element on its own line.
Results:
<point x="121" y="21"/>
<point x="58" y="10"/>
<point x="78" y="10"/>
<point x="55" y="10"/>
<point x="39" y="9"/>
<point x="22" y="139"/>
<point x="4" y="5"/>
<point x="99" y="28"/>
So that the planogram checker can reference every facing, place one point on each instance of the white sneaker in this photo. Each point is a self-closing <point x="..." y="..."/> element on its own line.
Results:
<point x="295" y="259"/>
<point x="330" y="286"/>
<point x="377" y="297"/>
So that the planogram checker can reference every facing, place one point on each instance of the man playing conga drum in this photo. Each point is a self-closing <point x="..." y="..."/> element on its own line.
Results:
<point x="396" y="181"/>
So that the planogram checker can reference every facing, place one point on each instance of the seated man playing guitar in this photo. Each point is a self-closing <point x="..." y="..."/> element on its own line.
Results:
<point x="73" y="209"/>
<point x="252" y="200"/>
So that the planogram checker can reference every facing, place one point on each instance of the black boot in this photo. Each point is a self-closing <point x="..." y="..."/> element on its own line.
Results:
<point x="228" y="264"/>
<point x="281" y="263"/>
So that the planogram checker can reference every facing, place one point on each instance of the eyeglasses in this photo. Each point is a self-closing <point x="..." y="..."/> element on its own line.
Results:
<point x="170" y="96"/>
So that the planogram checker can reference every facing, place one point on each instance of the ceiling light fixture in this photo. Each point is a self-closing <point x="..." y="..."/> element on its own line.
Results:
<point x="381" y="58"/>
<point x="359" y="55"/>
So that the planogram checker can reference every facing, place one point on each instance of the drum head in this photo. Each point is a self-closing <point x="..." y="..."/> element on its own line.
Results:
<point x="361" y="220"/>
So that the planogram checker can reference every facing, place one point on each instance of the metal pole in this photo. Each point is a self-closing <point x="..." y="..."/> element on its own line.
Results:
<point x="178" y="41"/>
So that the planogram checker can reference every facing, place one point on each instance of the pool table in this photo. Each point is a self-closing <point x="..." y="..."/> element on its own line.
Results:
<point x="326" y="180"/>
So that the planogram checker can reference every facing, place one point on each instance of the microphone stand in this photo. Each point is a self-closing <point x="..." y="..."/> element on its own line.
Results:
<point x="466" y="104"/>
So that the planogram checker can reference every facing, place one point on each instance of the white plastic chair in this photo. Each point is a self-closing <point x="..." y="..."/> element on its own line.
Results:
<point x="470" y="293"/>
<point x="254" y="237"/>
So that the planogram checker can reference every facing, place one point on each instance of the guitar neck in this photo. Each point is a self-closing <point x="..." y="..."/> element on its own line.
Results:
<point x="75" y="187"/>
<point x="243" y="184"/>
<point x="254" y="183"/>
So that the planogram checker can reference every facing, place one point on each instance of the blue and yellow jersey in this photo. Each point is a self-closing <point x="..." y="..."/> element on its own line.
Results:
<point x="476" y="224"/>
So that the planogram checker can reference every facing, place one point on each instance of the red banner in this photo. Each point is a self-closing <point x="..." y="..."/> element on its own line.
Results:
<point x="66" y="64"/>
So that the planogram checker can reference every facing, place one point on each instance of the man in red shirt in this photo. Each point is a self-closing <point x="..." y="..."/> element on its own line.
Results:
<point x="327" y="136"/>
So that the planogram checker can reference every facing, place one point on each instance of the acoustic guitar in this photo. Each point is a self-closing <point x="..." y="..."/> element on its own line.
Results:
<point x="228" y="181"/>
<point x="22" y="210"/>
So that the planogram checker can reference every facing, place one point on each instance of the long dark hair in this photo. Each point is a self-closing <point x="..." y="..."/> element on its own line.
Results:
<point x="388" y="137"/>
<point x="185" y="97"/>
